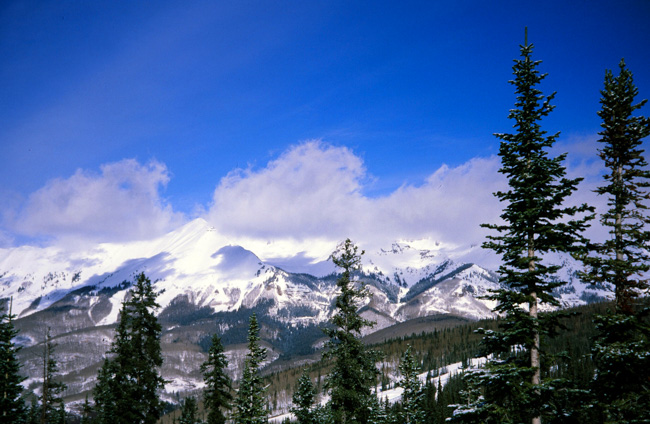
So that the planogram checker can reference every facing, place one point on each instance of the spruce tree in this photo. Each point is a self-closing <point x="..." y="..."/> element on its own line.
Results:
<point x="216" y="396"/>
<point x="107" y="394"/>
<point x="303" y="400"/>
<point x="250" y="402"/>
<point x="354" y="371"/>
<point x="52" y="389"/>
<point x="12" y="405"/>
<point x="34" y="413"/>
<point x="536" y="222"/>
<point x="86" y="412"/>
<point x="621" y="263"/>
<point x="378" y="413"/>
<point x="189" y="411"/>
<point x="59" y="415"/>
<point x="129" y="381"/>
<point x="413" y="395"/>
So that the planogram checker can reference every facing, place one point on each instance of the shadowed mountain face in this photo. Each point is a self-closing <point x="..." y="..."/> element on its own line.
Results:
<point x="207" y="286"/>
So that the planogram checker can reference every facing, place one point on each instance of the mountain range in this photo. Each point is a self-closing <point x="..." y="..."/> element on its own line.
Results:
<point x="206" y="285"/>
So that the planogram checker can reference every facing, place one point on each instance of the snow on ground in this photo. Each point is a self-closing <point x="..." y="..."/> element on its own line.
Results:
<point x="183" y="385"/>
<point x="444" y="374"/>
<point x="395" y="394"/>
<point x="116" y="304"/>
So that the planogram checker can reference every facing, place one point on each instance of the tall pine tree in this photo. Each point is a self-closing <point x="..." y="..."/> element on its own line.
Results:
<point x="12" y="405"/>
<point x="34" y="413"/>
<point x="303" y="400"/>
<point x="250" y="401"/>
<point x="412" y="411"/>
<point x="216" y="396"/>
<point x="129" y="381"/>
<point x="621" y="263"/>
<point x="536" y="221"/>
<point x="354" y="371"/>
<point x="189" y="411"/>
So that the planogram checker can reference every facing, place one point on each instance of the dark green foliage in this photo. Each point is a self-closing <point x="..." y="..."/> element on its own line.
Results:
<point x="536" y="222"/>
<point x="12" y="405"/>
<point x="622" y="356"/>
<point x="567" y="364"/>
<point x="378" y="413"/>
<point x="34" y="413"/>
<point x="298" y="341"/>
<point x="303" y="400"/>
<point x="181" y="311"/>
<point x="239" y="323"/>
<point x="107" y="393"/>
<point x="622" y="262"/>
<point x="52" y="389"/>
<point x="129" y="381"/>
<point x="250" y="402"/>
<point x="189" y="412"/>
<point x="413" y="396"/>
<point x="216" y="396"/>
<point x="354" y="371"/>
<point x="440" y="401"/>
<point x="86" y="412"/>
<point x="59" y="415"/>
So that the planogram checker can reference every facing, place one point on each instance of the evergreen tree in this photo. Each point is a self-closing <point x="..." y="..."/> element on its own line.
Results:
<point x="473" y="407"/>
<point x="621" y="263"/>
<point x="536" y="221"/>
<point x="250" y="402"/>
<point x="354" y="371"/>
<point x="34" y="414"/>
<point x="106" y="393"/>
<point x="86" y="412"/>
<point x="303" y="400"/>
<point x="51" y="389"/>
<point x="413" y="395"/>
<point x="189" y="411"/>
<point x="12" y="405"/>
<point x="378" y="413"/>
<point x="59" y="417"/>
<point x="216" y="396"/>
<point x="323" y="415"/>
<point x="129" y="381"/>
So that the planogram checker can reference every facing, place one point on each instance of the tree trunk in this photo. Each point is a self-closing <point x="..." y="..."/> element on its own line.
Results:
<point x="622" y="301"/>
<point x="532" y="310"/>
<point x="46" y="359"/>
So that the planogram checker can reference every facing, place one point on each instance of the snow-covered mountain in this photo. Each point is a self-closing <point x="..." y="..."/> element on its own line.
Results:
<point x="208" y="284"/>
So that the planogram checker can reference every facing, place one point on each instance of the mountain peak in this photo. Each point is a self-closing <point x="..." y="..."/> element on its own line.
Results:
<point x="235" y="258"/>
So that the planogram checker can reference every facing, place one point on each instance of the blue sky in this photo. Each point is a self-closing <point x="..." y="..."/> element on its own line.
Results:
<point x="121" y="120"/>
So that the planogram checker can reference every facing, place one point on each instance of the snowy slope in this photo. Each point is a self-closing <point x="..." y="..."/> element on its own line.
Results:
<point x="209" y="284"/>
<point x="196" y="262"/>
<point x="191" y="261"/>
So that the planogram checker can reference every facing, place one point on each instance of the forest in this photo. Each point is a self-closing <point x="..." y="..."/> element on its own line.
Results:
<point x="543" y="363"/>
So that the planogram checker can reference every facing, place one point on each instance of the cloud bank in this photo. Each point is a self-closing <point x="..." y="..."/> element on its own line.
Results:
<point x="123" y="202"/>
<point x="302" y="203"/>
<point x="316" y="190"/>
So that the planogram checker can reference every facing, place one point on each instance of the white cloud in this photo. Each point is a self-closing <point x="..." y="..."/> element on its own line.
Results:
<point x="315" y="190"/>
<point x="304" y="202"/>
<point x="449" y="207"/>
<point x="311" y="190"/>
<point x="121" y="203"/>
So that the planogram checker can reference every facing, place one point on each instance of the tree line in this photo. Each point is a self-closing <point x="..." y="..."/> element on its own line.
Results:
<point x="526" y="379"/>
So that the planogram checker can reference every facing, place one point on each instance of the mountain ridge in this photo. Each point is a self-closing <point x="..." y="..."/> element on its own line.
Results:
<point x="208" y="285"/>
